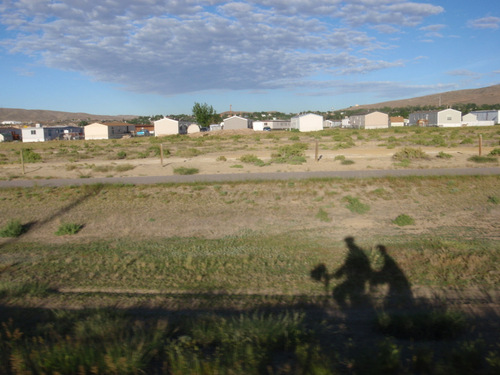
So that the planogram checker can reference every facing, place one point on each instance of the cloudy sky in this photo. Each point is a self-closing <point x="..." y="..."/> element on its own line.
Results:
<point x="146" y="57"/>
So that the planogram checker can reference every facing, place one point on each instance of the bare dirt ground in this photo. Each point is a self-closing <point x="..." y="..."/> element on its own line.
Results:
<point x="368" y="156"/>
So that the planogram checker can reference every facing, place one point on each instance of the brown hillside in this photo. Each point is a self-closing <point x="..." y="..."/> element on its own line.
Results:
<point x="485" y="95"/>
<point x="44" y="116"/>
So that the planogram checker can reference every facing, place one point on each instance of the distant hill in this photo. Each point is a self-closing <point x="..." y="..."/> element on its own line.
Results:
<point x="53" y="117"/>
<point x="486" y="95"/>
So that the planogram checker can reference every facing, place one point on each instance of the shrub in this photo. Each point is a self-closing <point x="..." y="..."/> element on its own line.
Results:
<point x="403" y="220"/>
<point x="347" y="162"/>
<point x="13" y="228"/>
<point x="290" y="154"/>
<point x="495" y="151"/>
<point x="186" y="171"/>
<point x="444" y="155"/>
<point x="221" y="158"/>
<point x="68" y="229"/>
<point x="252" y="159"/>
<point x="29" y="156"/>
<point x="121" y="155"/>
<point x="482" y="159"/>
<point x="339" y="157"/>
<point x="410" y="153"/>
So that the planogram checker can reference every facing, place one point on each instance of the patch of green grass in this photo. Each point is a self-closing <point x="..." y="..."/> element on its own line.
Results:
<point x="495" y="152"/>
<point x="433" y="325"/>
<point x="124" y="167"/>
<point x="483" y="159"/>
<point x="444" y="155"/>
<point x="13" y="228"/>
<point x="355" y="205"/>
<point x="68" y="229"/>
<point x="403" y="220"/>
<point x="236" y="166"/>
<point x="493" y="199"/>
<point x="221" y="158"/>
<point x="186" y="171"/>
<point x="121" y="155"/>
<point x="339" y="157"/>
<point x="30" y="156"/>
<point x="322" y="215"/>
<point x="347" y="162"/>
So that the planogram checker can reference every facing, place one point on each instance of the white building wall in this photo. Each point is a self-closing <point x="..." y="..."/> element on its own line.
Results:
<point x="235" y="122"/>
<point x="307" y="123"/>
<point x="376" y="120"/>
<point x="166" y="126"/>
<point x="33" y="134"/>
<point x="96" y="131"/>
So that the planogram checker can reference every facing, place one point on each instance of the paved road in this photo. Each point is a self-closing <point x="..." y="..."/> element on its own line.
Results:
<point x="253" y="176"/>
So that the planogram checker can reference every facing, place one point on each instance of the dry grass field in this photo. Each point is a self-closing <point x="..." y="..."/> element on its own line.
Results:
<point x="365" y="275"/>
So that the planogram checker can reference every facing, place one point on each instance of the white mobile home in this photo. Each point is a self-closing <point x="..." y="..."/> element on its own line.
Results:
<point x="308" y="122"/>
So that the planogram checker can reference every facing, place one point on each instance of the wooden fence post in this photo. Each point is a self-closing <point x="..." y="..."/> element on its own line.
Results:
<point x="480" y="144"/>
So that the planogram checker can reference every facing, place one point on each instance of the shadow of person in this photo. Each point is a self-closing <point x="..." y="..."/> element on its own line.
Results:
<point x="357" y="272"/>
<point x="399" y="292"/>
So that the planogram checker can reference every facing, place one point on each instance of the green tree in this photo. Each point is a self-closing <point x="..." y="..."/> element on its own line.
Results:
<point x="204" y="114"/>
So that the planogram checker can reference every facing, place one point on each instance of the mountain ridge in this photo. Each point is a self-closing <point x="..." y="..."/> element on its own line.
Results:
<point x="489" y="95"/>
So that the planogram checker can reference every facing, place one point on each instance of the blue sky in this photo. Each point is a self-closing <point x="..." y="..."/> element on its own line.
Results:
<point x="146" y="57"/>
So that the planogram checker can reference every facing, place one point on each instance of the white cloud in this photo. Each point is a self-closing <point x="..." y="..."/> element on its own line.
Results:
<point x="154" y="46"/>
<point x="485" y="23"/>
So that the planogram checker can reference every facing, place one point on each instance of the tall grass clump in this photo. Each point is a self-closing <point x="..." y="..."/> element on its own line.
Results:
<point x="68" y="229"/>
<point x="355" y="205"/>
<point x="252" y="159"/>
<point x="433" y="325"/>
<point x="410" y="153"/>
<point x="403" y="220"/>
<point x="290" y="154"/>
<point x="13" y="228"/>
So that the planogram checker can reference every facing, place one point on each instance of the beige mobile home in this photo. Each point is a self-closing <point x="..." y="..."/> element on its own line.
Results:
<point x="166" y="126"/>
<point x="108" y="130"/>
<point x="372" y="120"/>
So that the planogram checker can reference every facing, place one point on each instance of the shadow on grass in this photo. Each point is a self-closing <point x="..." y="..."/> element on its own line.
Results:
<point x="349" y="331"/>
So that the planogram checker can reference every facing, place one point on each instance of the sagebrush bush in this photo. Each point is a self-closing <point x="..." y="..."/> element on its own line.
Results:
<point x="68" y="229"/>
<point x="13" y="228"/>
<point x="410" y="153"/>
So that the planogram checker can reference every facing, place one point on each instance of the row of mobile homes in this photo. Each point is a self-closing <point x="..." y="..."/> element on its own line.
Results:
<point x="481" y="118"/>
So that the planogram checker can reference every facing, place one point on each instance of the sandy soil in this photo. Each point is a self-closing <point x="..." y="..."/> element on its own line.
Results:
<point x="365" y="157"/>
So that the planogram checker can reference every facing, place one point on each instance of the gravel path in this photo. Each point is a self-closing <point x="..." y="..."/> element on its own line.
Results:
<point x="252" y="177"/>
